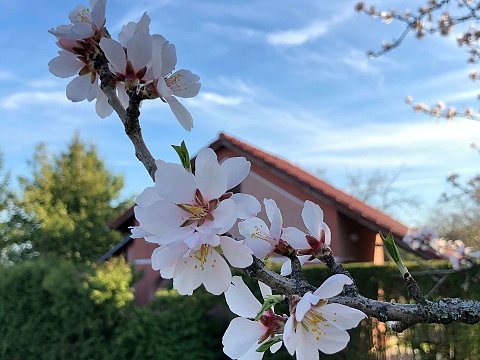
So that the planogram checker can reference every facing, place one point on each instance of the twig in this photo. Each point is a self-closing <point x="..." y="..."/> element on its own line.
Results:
<point x="129" y="117"/>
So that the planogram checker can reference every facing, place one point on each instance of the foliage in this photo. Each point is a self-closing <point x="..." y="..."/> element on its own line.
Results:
<point x="111" y="281"/>
<point x="47" y="313"/>
<point x="69" y="200"/>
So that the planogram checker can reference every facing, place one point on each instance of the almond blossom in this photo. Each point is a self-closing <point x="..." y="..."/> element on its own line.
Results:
<point x="264" y="240"/>
<point x="244" y="335"/>
<point x="168" y="84"/>
<point x="315" y="324"/>
<point x="85" y="23"/>
<point x="129" y="64"/>
<point x="196" y="261"/>
<point x="318" y="237"/>
<point x="189" y="202"/>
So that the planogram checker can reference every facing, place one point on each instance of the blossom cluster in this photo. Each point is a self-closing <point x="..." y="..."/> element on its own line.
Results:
<point x="141" y="63"/>
<point x="190" y="214"/>
<point x="456" y="251"/>
<point x="190" y="211"/>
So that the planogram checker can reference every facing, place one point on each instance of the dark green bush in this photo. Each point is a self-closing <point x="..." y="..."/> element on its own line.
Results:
<point x="50" y="309"/>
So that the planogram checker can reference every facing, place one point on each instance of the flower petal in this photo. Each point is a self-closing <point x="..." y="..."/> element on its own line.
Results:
<point x="332" y="286"/>
<point x="225" y="216"/>
<point x="252" y="353"/>
<point x="328" y="234"/>
<point x="174" y="183"/>
<point x="187" y="275"/>
<point x="331" y="340"/>
<point x="98" y="13"/>
<point x="275" y="217"/>
<point x="147" y="197"/>
<point x="184" y="83"/>
<point x="290" y="336"/>
<point x="287" y="265"/>
<point x="115" y="54"/>
<point x="304" y="305"/>
<point x="240" y="299"/>
<point x="132" y="28"/>
<point x="236" y="170"/>
<point x="265" y="290"/>
<point x="275" y="347"/>
<point x="312" y="216"/>
<point x="205" y="157"/>
<point x="80" y="30"/>
<point x="79" y="88"/>
<point x="181" y="113"/>
<point x="217" y="275"/>
<point x="169" y="58"/>
<point x="341" y="316"/>
<point x="295" y="238"/>
<point x="102" y="107"/>
<point x="211" y="181"/>
<point x="247" y="205"/>
<point x="306" y="350"/>
<point x="164" y="256"/>
<point x="122" y="95"/>
<point x="159" y="218"/>
<point x="65" y="65"/>
<point x="237" y="254"/>
<point x="139" y="50"/>
<point x="240" y="335"/>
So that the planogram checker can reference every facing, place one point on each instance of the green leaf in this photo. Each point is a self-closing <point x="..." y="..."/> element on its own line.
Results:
<point x="182" y="152"/>
<point x="392" y="249"/>
<point x="267" y="344"/>
<point x="269" y="302"/>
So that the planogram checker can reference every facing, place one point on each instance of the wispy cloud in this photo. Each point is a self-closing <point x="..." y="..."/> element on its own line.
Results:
<point x="299" y="36"/>
<point x="28" y="98"/>
<point x="220" y="99"/>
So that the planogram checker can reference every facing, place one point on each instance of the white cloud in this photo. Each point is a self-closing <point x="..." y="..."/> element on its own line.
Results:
<point x="307" y="33"/>
<point x="220" y="99"/>
<point x="29" y="98"/>
<point x="298" y="36"/>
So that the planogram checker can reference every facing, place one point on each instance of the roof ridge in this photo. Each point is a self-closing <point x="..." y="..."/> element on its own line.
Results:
<point x="329" y="190"/>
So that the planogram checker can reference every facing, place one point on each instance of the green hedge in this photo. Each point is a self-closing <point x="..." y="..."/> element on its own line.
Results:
<point x="52" y="309"/>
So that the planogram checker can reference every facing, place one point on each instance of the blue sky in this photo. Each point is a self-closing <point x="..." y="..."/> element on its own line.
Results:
<point x="291" y="79"/>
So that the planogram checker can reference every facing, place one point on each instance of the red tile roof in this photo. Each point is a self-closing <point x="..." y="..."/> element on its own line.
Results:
<point x="299" y="175"/>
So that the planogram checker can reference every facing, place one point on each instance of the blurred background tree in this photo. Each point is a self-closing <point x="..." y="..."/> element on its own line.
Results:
<point x="66" y="204"/>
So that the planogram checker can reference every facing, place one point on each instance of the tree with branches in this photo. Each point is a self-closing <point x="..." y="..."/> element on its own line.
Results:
<point x="188" y="211"/>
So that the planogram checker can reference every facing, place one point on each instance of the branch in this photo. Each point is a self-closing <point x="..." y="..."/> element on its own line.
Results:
<point x="444" y="311"/>
<point x="129" y="117"/>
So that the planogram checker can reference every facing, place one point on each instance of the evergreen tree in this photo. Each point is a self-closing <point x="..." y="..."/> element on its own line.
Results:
<point x="69" y="200"/>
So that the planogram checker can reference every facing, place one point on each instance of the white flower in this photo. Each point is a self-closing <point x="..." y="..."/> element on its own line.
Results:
<point x="82" y="87"/>
<point x="129" y="63"/>
<point x="200" y="263"/>
<point x="186" y="203"/>
<point x="318" y="237"/>
<point x="84" y="23"/>
<point x="243" y="335"/>
<point x="181" y="83"/>
<point x="264" y="240"/>
<point x="320" y="234"/>
<point x="315" y="324"/>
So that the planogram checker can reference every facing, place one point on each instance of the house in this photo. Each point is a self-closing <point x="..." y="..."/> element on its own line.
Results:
<point x="354" y="224"/>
